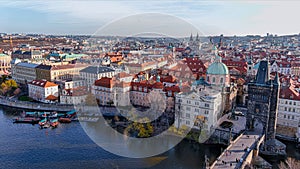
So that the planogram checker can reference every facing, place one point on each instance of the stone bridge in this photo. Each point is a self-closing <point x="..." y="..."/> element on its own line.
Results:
<point x="239" y="153"/>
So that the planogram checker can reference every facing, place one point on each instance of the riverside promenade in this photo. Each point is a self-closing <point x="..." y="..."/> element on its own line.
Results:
<point x="34" y="106"/>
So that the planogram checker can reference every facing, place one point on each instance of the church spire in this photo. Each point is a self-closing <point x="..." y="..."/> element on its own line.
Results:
<point x="218" y="58"/>
<point x="191" y="37"/>
<point x="276" y="79"/>
<point x="197" y="37"/>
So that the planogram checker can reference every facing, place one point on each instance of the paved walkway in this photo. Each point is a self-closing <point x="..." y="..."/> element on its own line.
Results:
<point x="34" y="106"/>
<point x="236" y="152"/>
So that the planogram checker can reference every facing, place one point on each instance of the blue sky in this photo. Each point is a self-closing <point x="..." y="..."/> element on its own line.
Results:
<point x="209" y="17"/>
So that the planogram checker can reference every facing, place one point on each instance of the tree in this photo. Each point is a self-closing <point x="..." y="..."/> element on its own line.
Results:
<point x="11" y="83"/>
<point x="290" y="163"/>
<point x="8" y="86"/>
<point x="141" y="128"/>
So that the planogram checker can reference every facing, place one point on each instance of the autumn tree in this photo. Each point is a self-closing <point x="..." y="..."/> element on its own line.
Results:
<point x="141" y="128"/>
<point x="8" y="86"/>
<point x="290" y="163"/>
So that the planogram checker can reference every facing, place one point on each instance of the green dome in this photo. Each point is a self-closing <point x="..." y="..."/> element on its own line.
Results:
<point x="217" y="68"/>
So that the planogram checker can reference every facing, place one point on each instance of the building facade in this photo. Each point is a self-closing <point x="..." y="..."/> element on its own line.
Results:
<point x="5" y="66"/>
<point x="92" y="73"/>
<point x="43" y="91"/>
<point x="198" y="109"/>
<point x="24" y="72"/>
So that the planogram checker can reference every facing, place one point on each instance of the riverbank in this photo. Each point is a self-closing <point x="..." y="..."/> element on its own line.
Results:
<point x="34" y="106"/>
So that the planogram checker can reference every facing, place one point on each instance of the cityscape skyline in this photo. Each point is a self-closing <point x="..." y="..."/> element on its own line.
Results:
<point x="211" y="18"/>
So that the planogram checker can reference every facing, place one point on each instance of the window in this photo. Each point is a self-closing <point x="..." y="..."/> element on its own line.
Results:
<point x="187" y="115"/>
<point x="206" y="111"/>
<point x="206" y="105"/>
<point x="284" y="116"/>
<point x="214" y="80"/>
<point x="188" y="108"/>
<point x="221" y="80"/>
<point x="187" y="122"/>
<point x="197" y="103"/>
<point x="293" y="117"/>
<point x="196" y="110"/>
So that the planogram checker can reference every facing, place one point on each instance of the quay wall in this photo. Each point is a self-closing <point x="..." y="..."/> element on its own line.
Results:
<point x="35" y="106"/>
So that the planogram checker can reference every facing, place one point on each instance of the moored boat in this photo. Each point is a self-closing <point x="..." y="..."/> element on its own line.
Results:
<point x="30" y="120"/>
<point x="64" y="120"/>
<point x="54" y="123"/>
<point x="44" y="123"/>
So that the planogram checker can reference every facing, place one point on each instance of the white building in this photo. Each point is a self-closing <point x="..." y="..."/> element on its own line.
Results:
<point x="281" y="67"/>
<point x="92" y="73"/>
<point x="73" y="96"/>
<point x="43" y="91"/>
<point x="73" y="91"/>
<point x="289" y="112"/>
<point x="199" y="108"/>
<point x="109" y="91"/>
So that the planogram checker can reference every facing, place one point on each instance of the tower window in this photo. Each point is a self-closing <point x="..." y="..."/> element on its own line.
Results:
<point x="214" y="80"/>
<point x="221" y="80"/>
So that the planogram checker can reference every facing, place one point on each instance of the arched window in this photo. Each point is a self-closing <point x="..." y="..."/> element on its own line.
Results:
<point x="221" y="80"/>
<point x="207" y="78"/>
<point x="214" y="80"/>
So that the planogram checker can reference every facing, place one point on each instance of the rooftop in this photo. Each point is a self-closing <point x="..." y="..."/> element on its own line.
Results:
<point x="97" y="70"/>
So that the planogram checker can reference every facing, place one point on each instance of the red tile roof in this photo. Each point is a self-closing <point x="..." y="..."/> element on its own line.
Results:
<point x="42" y="83"/>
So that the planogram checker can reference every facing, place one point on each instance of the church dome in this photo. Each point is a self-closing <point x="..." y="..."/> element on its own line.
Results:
<point x="217" y="68"/>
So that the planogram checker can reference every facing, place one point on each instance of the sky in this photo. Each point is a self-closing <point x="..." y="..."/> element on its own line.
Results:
<point x="205" y="17"/>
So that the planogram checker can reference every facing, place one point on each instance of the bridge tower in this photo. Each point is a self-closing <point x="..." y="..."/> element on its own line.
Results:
<point x="262" y="112"/>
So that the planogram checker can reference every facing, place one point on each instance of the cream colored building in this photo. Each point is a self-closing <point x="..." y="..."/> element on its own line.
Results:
<point x="24" y="72"/>
<point x="5" y="66"/>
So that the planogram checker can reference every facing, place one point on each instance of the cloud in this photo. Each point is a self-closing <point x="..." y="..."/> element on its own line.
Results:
<point x="211" y="17"/>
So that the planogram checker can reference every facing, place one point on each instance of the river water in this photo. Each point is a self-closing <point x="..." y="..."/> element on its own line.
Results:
<point x="68" y="146"/>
